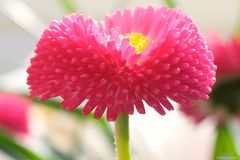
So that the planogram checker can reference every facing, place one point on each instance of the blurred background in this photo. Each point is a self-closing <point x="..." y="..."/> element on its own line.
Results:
<point x="54" y="133"/>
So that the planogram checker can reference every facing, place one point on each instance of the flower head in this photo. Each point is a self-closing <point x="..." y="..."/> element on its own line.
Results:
<point x="226" y="54"/>
<point x="146" y="55"/>
<point x="13" y="113"/>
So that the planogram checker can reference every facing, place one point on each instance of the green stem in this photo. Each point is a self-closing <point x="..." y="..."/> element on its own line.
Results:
<point x="224" y="145"/>
<point x="170" y="3"/>
<point x="122" y="137"/>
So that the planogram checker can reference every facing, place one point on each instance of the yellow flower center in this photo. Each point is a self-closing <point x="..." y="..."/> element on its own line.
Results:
<point x="139" y="41"/>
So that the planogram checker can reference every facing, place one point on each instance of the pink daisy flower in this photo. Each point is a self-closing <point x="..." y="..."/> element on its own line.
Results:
<point x="148" y="54"/>
<point x="226" y="54"/>
<point x="13" y="113"/>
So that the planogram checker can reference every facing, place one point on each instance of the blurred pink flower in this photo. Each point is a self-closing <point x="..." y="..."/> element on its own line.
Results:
<point x="226" y="54"/>
<point x="200" y="111"/>
<point x="13" y="113"/>
<point x="148" y="54"/>
<point x="197" y="112"/>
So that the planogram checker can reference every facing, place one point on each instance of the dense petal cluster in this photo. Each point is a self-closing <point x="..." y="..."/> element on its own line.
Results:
<point x="13" y="113"/>
<point x="226" y="54"/>
<point x="148" y="54"/>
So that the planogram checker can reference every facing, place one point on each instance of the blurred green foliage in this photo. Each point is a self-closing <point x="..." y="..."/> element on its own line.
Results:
<point x="227" y="95"/>
<point x="15" y="150"/>
<point x="170" y="3"/>
<point x="69" y="5"/>
<point x="224" y="145"/>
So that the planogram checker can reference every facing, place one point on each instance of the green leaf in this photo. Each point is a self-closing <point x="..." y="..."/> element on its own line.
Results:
<point x="224" y="146"/>
<point x="8" y="145"/>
